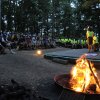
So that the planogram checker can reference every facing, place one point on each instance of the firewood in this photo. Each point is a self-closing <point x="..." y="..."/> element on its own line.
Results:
<point x="96" y="79"/>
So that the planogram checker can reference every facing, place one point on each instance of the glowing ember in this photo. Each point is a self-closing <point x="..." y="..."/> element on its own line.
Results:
<point x="84" y="77"/>
<point x="39" y="52"/>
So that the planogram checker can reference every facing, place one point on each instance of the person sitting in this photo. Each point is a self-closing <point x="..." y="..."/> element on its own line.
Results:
<point x="33" y="42"/>
<point x="2" y="49"/>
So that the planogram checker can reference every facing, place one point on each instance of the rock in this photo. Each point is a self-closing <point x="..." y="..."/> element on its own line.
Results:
<point x="61" y="61"/>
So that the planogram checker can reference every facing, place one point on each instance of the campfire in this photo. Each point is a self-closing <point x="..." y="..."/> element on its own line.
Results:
<point x="84" y="77"/>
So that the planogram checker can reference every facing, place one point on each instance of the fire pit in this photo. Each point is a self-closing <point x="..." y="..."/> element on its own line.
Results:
<point x="68" y="93"/>
<point x="82" y="83"/>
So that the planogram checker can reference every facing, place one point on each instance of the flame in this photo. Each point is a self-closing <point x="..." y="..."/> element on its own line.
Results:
<point x="82" y="77"/>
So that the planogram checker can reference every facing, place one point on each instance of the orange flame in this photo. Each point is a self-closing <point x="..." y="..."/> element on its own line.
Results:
<point x="82" y="77"/>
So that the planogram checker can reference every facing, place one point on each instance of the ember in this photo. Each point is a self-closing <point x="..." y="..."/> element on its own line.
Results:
<point x="39" y="52"/>
<point x="84" y="77"/>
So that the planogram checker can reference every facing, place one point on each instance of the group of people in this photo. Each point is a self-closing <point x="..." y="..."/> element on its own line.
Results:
<point x="24" y="41"/>
<point x="29" y="41"/>
<point x="92" y="40"/>
<point x="73" y="43"/>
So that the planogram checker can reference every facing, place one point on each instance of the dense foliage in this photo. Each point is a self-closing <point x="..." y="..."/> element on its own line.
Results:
<point x="54" y="17"/>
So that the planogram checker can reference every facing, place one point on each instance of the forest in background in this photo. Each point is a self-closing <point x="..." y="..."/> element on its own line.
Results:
<point x="51" y="17"/>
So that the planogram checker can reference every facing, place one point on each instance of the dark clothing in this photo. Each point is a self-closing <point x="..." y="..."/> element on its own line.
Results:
<point x="90" y="40"/>
<point x="3" y="44"/>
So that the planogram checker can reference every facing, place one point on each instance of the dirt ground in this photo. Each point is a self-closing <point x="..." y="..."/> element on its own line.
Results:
<point x="34" y="71"/>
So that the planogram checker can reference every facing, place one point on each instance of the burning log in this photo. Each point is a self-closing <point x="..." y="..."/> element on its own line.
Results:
<point x="96" y="79"/>
<point x="83" y="83"/>
<point x="84" y="75"/>
<point x="92" y="89"/>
